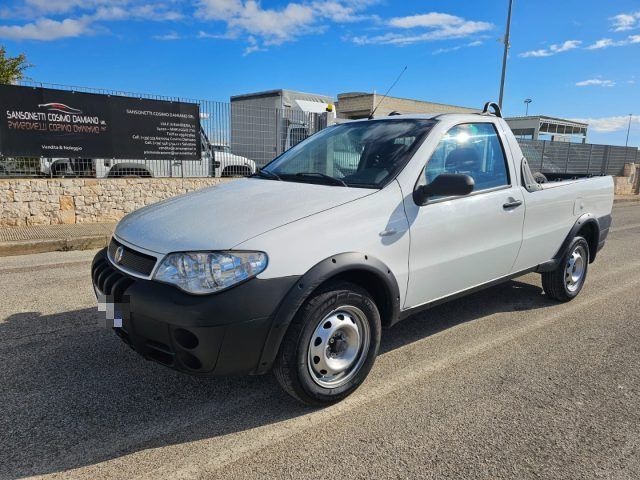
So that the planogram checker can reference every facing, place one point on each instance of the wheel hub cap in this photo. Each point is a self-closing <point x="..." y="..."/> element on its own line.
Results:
<point x="575" y="269"/>
<point x="338" y="347"/>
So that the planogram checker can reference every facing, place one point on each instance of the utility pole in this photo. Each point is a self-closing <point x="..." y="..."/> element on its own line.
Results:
<point x="626" y="144"/>
<point x="506" y="54"/>
<point x="527" y="102"/>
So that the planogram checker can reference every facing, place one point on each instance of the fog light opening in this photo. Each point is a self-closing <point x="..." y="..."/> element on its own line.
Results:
<point x="185" y="338"/>
<point x="190" y="361"/>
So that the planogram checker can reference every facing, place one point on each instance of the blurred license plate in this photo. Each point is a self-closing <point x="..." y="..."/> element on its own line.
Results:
<point x="106" y="304"/>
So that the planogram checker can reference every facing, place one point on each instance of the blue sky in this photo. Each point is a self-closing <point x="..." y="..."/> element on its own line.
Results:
<point x="575" y="58"/>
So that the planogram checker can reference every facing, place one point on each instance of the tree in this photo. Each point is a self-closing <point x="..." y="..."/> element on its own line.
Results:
<point x="12" y="68"/>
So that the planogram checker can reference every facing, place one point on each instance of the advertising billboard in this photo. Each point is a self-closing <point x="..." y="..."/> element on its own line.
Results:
<point x="43" y="122"/>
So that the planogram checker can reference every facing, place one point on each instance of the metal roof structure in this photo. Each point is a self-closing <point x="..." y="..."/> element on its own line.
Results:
<point x="555" y="129"/>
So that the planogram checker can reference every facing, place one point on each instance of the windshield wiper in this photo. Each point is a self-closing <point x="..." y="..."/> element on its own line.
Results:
<point x="328" y="178"/>
<point x="266" y="174"/>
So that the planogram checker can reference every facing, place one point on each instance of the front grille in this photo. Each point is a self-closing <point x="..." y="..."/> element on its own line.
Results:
<point x="110" y="281"/>
<point x="131" y="260"/>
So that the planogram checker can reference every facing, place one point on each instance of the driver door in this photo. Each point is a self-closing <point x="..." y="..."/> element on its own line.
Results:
<point x="458" y="243"/>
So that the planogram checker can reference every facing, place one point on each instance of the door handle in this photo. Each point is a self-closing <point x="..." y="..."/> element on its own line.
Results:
<point x="388" y="232"/>
<point x="512" y="204"/>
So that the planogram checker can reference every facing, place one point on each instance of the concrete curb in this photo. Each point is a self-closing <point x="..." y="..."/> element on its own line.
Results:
<point x="626" y="201"/>
<point x="26" y="247"/>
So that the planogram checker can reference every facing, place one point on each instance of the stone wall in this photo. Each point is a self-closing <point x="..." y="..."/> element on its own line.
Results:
<point x="63" y="201"/>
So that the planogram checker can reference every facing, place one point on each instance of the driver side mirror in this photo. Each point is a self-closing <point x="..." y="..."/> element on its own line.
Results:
<point x="444" y="185"/>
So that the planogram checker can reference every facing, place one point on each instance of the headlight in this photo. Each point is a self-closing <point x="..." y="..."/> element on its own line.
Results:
<point x="209" y="272"/>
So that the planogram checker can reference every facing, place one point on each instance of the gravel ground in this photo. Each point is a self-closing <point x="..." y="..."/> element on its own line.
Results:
<point x="501" y="384"/>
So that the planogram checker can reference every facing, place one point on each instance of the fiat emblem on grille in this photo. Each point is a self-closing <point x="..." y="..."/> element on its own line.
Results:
<point x="117" y="257"/>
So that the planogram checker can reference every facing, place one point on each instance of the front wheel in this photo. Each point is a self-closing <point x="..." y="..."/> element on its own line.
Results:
<point x="330" y="346"/>
<point x="566" y="281"/>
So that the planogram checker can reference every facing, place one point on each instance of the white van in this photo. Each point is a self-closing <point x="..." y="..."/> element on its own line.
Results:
<point x="216" y="161"/>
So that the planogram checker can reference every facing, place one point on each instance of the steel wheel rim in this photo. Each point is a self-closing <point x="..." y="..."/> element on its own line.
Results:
<point x="338" y="347"/>
<point x="576" y="268"/>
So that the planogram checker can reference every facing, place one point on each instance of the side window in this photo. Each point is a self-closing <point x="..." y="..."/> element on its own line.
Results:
<point x="473" y="149"/>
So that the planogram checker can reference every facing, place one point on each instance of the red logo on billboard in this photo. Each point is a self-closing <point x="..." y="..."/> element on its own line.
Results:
<point x="59" y="107"/>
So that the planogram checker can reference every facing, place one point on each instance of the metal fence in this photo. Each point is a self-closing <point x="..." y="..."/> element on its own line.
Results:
<point x="577" y="158"/>
<point x="235" y="139"/>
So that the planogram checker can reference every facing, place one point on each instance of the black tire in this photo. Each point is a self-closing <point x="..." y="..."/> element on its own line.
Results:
<point x="540" y="177"/>
<point x="293" y="368"/>
<point x="556" y="284"/>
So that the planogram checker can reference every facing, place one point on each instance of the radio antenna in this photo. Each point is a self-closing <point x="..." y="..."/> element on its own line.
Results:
<point x="387" y="92"/>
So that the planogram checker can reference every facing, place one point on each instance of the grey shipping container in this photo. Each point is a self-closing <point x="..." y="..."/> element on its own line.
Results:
<point x="265" y="124"/>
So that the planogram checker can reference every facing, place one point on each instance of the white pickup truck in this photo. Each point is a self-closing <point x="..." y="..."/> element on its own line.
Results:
<point x="299" y="267"/>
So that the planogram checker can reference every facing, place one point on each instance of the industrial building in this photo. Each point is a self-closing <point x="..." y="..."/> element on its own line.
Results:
<point x="265" y="124"/>
<point x="356" y="105"/>
<point x="541" y="127"/>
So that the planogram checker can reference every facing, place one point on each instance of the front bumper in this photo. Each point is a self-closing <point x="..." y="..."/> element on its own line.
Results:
<point x="218" y="334"/>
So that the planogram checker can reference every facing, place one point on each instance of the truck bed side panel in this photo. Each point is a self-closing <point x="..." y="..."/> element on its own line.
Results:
<point x="551" y="212"/>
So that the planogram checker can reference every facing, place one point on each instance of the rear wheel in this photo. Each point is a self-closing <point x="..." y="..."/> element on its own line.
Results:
<point x="566" y="281"/>
<point x="330" y="346"/>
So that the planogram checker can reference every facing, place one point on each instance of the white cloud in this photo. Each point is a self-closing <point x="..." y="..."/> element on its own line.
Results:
<point x="220" y="9"/>
<point x="82" y="17"/>
<point x="603" y="43"/>
<point x="607" y="42"/>
<point x="240" y="19"/>
<point x="46" y="29"/>
<point x="427" y="20"/>
<point x="625" y="21"/>
<point x="344" y="12"/>
<point x="168" y="36"/>
<point x="609" y="124"/>
<point x="45" y="7"/>
<point x="158" y="12"/>
<point x="253" y="46"/>
<point x="216" y="36"/>
<point x="275" y="26"/>
<point x="425" y="27"/>
<point x="475" y="43"/>
<point x="596" y="82"/>
<point x="553" y="49"/>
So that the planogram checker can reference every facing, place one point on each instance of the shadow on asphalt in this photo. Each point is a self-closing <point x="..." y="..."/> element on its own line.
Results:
<point x="73" y="395"/>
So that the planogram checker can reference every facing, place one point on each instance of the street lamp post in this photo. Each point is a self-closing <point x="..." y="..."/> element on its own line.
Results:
<point x="626" y="144"/>
<point x="505" y="55"/>
<point x="527" y="102"/>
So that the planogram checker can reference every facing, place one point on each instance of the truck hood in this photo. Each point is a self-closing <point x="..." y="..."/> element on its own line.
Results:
<point x="220" y="217"/>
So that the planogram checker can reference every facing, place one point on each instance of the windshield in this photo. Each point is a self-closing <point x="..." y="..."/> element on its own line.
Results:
<point x="358" y="154"/>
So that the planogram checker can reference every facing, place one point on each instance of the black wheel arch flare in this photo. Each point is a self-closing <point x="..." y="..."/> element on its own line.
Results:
<point x="597" y="229"/>
<point x="350" y="265"/>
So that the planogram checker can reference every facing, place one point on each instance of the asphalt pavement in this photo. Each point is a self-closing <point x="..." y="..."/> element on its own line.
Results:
<point x="504" y="383"/>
